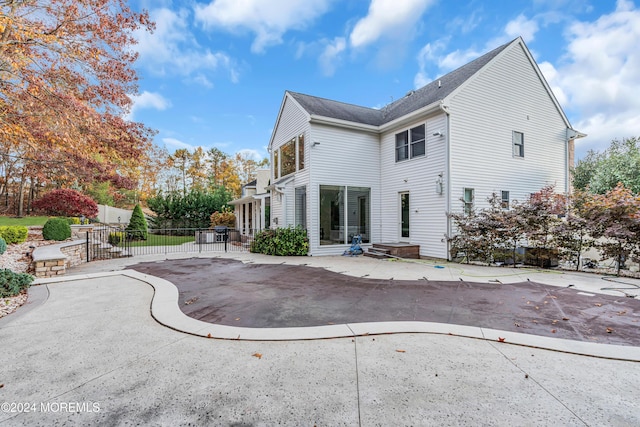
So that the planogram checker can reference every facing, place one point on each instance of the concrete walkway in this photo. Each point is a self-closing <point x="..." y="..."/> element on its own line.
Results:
<point x="90" y="352"/>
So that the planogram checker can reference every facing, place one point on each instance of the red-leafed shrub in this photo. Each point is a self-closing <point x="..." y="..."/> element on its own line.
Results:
<point x="67" y="202"/>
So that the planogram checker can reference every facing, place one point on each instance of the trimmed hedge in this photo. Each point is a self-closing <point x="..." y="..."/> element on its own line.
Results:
<point x="14" y="233"/>
<point x="281" y="242"/>
<point x="56" y="229"/>
<point x="11" y="284"/>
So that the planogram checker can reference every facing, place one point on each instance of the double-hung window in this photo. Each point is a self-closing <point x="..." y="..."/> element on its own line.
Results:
<point x="504" y="200"/>
<point x="418" y="141"/>
<point x="518" y="144"/>
<point x="411" y="143"/>
<point x="402" y="146"/>
<point x="467" y="200"/>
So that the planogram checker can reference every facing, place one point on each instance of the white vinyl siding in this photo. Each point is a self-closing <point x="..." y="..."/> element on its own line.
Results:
<point x="507" y="95"/>
<point x="293" y="122"/>
<point x="427" y="216"/>
<point x="344" y="157"/>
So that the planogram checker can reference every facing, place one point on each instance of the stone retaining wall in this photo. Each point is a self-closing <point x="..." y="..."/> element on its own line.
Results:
<point x="53" y="260"/>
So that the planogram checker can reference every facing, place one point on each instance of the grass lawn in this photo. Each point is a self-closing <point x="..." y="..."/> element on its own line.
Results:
<point x="162" y="240"/>
<point x="26" y="220"/>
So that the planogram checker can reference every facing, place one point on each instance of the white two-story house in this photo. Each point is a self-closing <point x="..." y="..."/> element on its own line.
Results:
<point x="391" y="175"/>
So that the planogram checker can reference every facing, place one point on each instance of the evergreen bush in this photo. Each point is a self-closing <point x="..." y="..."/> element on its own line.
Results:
<point x="3" y="246"/>
<point x="137" y="228"/>
<point x="115" y="238"/>
<point x="11" y="284"/>
<point x="14" y="233"/>
<point x="281" y="242"/>
<point x="56" y="229"/>
<point x="191" y="210"/>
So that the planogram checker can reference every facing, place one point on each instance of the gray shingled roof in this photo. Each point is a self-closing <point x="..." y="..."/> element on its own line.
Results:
<point x="414" y="100"/>
<point x="338" y="110"/>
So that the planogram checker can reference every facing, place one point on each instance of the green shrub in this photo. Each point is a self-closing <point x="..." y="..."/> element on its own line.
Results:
<point x="3" y="246"/>
<point x="12" y="283"/>
<point x="14" y="233"/>
<point x="74" y="220"/>
<point x="281" y="242"/>
<point x="115" y="238"/>
<point x="56" y="229"/>
<point x="137" y="228"/>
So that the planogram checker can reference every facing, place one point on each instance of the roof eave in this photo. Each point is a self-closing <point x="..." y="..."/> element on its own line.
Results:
<point x="434" y="106"/>
<point x="330" y="121"/>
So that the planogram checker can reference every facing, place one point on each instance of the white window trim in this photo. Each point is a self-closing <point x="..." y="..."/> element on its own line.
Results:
<point x="296" y="148"/>
<point x="408" y="146"/>
<point x="514" y="144"/>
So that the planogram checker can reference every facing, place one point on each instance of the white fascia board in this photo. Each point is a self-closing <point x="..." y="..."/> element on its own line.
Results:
<point x="434" y="106"/>
<point x="287" y="96"/>
<point x="322" y="120"/>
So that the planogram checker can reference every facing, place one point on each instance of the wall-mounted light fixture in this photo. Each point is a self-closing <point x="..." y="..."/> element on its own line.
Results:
<point x="315" y="143"/>
<point x="438" y="133"/>
<point x="440" y="184"/>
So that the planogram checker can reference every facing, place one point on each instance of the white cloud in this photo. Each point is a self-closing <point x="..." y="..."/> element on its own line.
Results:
<point x="387" y="18"/>
<point x="248" y="153"/>
<point x="428" y="53"/>
<point x="268" y="20"/>
<point x="173" y="144"/>
<point x="600" y="76"/>
<point x="173" y="49"/>
<point x="330" y="57"/>
<point x="147" y="100"/>
<point x="433" y="53"/>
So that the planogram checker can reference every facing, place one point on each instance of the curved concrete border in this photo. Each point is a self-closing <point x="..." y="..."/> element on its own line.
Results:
<point x="166" y="311"/>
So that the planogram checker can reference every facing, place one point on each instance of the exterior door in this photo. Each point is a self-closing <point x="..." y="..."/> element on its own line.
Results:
<point x="404" y="217"/>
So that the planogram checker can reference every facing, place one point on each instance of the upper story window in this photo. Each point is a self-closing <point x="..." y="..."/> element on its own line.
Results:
<point x="289" y="157"/>
<point x="411" y="143"/>
<point x="301" y="151"/>
<point x="518" y="144"/>
<point x="402" y="146"/>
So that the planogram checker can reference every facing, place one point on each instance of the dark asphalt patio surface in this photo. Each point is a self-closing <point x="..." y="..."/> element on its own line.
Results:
<point x="228" y="292"/>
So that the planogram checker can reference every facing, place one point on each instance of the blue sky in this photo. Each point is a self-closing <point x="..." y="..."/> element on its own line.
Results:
<point x="214" y="72"/>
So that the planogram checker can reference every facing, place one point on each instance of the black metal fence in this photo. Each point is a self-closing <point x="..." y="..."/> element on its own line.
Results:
<point x="106" y="242"/>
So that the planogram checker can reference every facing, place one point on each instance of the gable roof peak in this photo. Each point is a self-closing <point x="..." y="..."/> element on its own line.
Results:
<point x="413" y="100"/>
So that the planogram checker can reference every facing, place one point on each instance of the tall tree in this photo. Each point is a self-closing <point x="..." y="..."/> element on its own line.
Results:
<point x="601" y="172"/>
<point x="247" y="166"/>
<point x="66" y="77"/>
<point x="180" y="160"/>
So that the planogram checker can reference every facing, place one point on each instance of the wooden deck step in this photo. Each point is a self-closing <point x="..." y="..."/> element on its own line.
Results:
<point x="399" y="250"/>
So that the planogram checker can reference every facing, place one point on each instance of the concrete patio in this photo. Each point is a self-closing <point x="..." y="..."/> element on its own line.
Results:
<point x="87" y="350"/>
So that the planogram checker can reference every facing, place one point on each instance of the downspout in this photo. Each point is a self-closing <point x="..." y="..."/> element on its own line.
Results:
<point x="567" y="171"/>
<point x="447" y="180"/>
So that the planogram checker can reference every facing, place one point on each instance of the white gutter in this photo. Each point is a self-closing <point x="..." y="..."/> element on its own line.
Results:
<point x="412" y="116"/>
<point x="322" y="120"/>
